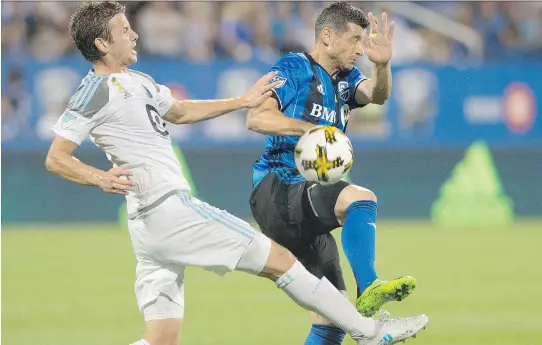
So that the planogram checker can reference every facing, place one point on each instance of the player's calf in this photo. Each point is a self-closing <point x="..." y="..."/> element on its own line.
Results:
<point x="163" y="332"/>
<point x="356" y="208"/>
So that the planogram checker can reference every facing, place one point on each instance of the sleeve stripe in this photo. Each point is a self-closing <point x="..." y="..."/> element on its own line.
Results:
<point x="276" y="96"/>
<point x="90" y="94"/>
<point x="356" y="90"/>
<point x="357" y="84"/>
<point x="86" y="93"/>
<point x="82" y="92"/>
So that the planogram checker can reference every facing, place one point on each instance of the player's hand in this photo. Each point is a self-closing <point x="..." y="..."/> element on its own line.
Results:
<point x="377" y="43"/>
<point x="116" y="181"/>
<point x="260" y="91"/>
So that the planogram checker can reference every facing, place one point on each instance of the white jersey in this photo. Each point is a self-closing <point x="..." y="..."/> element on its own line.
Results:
<point x="122" y="113"/>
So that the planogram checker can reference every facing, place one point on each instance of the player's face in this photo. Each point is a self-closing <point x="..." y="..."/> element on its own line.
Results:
<point x="122" y="48"/>
<point x="346" y="48"/>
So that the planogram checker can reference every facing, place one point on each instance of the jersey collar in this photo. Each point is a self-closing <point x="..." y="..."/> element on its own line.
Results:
<point x="335" y="77"/>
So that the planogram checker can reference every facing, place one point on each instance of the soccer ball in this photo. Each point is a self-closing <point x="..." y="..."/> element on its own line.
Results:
<point x="324" y="155"/>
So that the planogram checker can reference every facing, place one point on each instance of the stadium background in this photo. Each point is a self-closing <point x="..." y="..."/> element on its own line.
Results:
<point x="455" y="157"/>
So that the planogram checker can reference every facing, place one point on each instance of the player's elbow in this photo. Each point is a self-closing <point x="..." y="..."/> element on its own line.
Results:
<point x="380" y="99"/>
<point x="180" y="113"/>
<point x="254" y="120"/>
<point x="51" y="163"/>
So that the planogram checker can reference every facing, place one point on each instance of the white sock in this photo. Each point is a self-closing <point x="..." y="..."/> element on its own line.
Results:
<point x="320" y="296"/>
<point x="141" y="342"/>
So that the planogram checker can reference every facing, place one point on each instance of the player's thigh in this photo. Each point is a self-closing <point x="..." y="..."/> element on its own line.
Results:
<point x="159" y="289"/>
<point x="278" y="209"/>
<point x="185" y="231"/>
<point x="319" y="204"/>
<point x="321" y="258"/>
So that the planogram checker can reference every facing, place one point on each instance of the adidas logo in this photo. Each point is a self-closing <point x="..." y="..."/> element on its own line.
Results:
<point x="320" y="89"/>
<point x="386" y="340"/>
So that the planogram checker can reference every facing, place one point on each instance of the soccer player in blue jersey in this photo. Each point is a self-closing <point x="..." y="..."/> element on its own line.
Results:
<point x="321" y="88"/>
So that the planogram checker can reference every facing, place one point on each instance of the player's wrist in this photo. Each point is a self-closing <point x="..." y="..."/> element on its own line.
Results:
<point x="238" y="103"/>
<point x="381" y="64"/>
<point x="97" y="178"/>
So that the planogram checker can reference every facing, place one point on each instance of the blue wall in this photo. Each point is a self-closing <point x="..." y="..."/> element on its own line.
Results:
<point x="431" y="106"/>
<point x="404" y="151"/>
<point x="406" y="183"/>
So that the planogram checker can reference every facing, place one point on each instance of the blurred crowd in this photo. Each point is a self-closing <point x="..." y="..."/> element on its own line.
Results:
<point x="202" y="31"/>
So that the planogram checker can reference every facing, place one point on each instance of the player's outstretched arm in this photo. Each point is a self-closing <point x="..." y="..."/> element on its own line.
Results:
<point x="60" y="161"/>
<point x="196" y="111"/>
<point x="268" y="119"/>
<point x="377" y="45"/>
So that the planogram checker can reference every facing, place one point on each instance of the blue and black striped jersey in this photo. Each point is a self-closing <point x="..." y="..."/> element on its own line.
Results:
<point x="306" y="92"/>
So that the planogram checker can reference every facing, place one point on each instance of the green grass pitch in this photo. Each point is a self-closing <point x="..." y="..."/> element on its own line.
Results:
<point x="62" y="287"/>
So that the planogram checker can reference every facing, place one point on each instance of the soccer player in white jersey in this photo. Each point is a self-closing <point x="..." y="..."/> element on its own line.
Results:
<point x="124" y="112"/>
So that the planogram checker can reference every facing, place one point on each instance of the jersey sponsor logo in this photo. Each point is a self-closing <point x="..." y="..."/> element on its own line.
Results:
<point x="279" y="79"/>
<point x="344" y="90"/>
<point x="323" y="112"/>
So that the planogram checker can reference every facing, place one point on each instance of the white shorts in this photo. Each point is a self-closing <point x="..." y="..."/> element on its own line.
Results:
<point x="184" y="231"/>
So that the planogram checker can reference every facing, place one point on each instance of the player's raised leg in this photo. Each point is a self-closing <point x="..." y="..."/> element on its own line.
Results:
<point x="319" y="295"/>
<point x="356" y="209"/>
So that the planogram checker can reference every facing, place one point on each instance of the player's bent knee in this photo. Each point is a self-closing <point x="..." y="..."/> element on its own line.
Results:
<point x="280" y="260"/>
<point x="351" y="194"/>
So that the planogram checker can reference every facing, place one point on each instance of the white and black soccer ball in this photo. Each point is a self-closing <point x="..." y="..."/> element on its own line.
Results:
<point x="324" y="155"/>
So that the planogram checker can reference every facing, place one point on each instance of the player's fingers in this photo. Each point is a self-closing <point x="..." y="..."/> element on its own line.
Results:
<point x="365" y="39"/>
<point x="373" y="23"/>
<point x="270" y="86"/>
<point x="262" y="97"/>
<point x="119" y="186"/>
<point x="121" y="172"/>
<point x="118" y="191"/>
<point x="384" y="24"/>
<point x="123" y="182"/>
<point x="266" y="78"/>
<point x="391" y="30"/>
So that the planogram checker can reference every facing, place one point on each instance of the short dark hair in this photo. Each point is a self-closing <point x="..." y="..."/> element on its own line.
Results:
<point x="338" y="15"/>
<point x="91" y="21"/>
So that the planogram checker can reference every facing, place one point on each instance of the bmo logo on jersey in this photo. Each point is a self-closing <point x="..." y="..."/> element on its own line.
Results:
<point x="320" y="111"/>
<point x="323" y="112"/>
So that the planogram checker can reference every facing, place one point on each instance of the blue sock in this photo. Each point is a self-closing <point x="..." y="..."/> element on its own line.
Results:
<point x="325" y="335"/>
<point x="358" y="241"/>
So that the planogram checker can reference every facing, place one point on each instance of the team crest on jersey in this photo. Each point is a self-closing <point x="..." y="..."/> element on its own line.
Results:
<point x="279" y="79"/>
<point x="344" y="90"/>
<point x="66" y="119"/>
